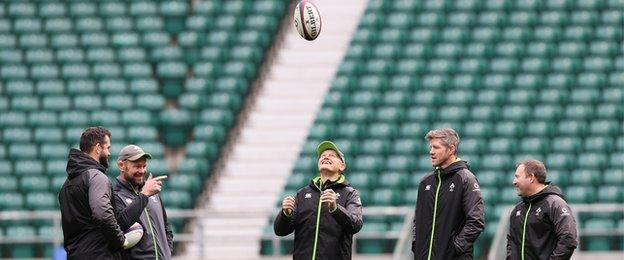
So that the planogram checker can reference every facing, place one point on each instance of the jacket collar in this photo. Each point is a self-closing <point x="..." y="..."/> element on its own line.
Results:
<point x="317" y="183"/>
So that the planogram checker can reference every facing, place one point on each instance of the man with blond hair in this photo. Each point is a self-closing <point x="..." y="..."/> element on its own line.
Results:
<point x="449" y="208"/>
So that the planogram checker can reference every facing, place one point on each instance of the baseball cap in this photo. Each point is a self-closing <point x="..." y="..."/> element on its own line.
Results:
<point x="132" y="153"/>
<point x="328" y="145"/>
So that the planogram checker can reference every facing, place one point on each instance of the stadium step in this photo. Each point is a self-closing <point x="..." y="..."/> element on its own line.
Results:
<point x="271" y="138"/>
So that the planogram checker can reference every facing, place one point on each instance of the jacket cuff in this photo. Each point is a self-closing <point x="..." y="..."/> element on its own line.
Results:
<point x="286" y="214"/>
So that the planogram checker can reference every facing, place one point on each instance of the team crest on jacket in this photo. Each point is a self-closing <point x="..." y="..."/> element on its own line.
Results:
<point x="428" y="187"/>
<point x="452" y="186"/>
<point x="308" y="195"/>
<point x="128" y="200"/>
<point x="518" y="213"/>
<point x="538" y="211"/>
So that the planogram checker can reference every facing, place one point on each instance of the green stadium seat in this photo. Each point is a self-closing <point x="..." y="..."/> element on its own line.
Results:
<point x="17" y="135"/>
<point x="6" y="168"/>
<point x="610" y="194"/>
<point x="105" y="117"/>
<point x="580" y="194"/>
<point x="142" y="133"/>
<point x="52" y="10"/>
<point x="566" y="144"/>
<point x="406" y="146"/>
<point x="30" y="184"/>
<point x="613" y="176"/>
<point x="88" y="102"/>
<point x="368" y="163"/>
<point x="54" y="150"/>
<point x="47" y="135"/>
<point x="23" y="151"/>
<point x="599" y="243"/>
<point x="137" y="117"/>
<point x="395" y="180"/>
<point x="362" y="180"/>
<point x="386" y="197"/>
<point x="8" y="184"/>
<point x="177" y="199"/>
<point x="21" y="250"/>
<point x="11" y="201"/>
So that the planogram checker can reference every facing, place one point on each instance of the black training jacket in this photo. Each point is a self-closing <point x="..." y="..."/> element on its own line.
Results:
<point x="549" y="224"/>
<point x="449" y="211"/>
<point x="335" y="229"/>
<point x="132" y="206"/>
<point x="90" y="230"/>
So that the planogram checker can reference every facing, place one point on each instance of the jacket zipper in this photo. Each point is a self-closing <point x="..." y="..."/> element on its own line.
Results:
<point x="435" y="209"/>
<point x="526" y="216"/>
<point x="318" y="220"/>
<point x="149" y="224"/>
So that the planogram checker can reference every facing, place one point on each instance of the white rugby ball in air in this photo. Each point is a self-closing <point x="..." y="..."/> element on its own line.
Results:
<point x="133" y="235"/>
<point x="307" y="20"/>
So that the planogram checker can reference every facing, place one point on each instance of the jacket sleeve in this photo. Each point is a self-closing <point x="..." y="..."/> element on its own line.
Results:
<point x="350" y="217"/>
<point x="167" y="227"/>
<point x="284" y="224"/>
<point x="472" y="204"/>
<point x="126" y="216"/>
<point x="564" y="226"/>
<point x="102" y="210"/>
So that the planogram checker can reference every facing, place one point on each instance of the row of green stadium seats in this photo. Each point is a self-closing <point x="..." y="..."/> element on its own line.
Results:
<point x="137" y="8"/>
<point x="207" y="138"/>
<point x="226" y="97"/>
<point x="368" y="107"/>
<point x="495" y="160"/>
<point x="122" y="24"/>
<point x="456" y="36"/>
<point x="503" y="6"/>
<point x="220" y="39"/>
<point x="496" y="66"/>
<point x="83" y="88"/>
<point x="548" y="83"/>
<point x="405" y="19"/>
<point x="545" y="126"/>
<point x="577" y="55"/>
<point x="110" y="70"/>
<point x="133" y="59"/>
<point x="216" y="117"/>
<point x="64" y="105"/>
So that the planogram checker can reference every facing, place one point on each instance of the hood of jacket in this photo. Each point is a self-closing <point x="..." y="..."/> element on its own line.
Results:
<point x="317" y="184"/>
<point x="79" y="162"/>
<point x="548" y="190"/>
<point x="454" y="167"/>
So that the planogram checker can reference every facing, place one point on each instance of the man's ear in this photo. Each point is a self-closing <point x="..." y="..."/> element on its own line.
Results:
<point x="120" y="164"/>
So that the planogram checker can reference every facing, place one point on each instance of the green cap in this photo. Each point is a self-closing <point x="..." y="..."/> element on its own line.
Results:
<point x="132" y="153"/>
<point x="328" y="145"/>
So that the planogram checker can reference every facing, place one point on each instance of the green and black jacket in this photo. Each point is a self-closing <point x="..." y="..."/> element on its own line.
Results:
<point x="542" y="226"/>
<point x="319" y="233"/>
<point x="449" y="214"/>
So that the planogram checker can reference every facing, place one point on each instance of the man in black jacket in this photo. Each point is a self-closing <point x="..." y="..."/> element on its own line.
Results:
<point x="325" y="214"/>
<point x="449" y="207"/>
<point x="541" y="226"/>
<point x="90" y="230"/>
<point x="136" y="200"/>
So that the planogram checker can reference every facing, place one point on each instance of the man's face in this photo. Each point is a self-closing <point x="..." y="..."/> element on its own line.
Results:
<point x="133" y="171"/>
<point x="104" y="151"/>
<point x="439" y="152"/>
<point x="330" y="161"/>
<point x="522" y="181"/>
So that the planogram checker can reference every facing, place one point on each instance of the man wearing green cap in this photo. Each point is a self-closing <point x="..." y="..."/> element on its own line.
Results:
<point x="137" y="200"/>
<point x="325" y="214"/>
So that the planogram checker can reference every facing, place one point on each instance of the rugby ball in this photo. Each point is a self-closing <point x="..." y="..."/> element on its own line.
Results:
<point x="307" y="20"/>
<point x="133" y="235"/>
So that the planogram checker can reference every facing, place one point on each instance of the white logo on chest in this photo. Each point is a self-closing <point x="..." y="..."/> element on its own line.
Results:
<point x="129" y="201"/>
<point x="452" y="186"/>
<point x="537" y="212"/>
<point x="517" y="213"/>
<point x="428" y="187"/>
<point x="308" y="195"/>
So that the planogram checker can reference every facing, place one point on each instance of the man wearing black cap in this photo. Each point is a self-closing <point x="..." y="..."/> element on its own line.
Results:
<point x="325" y="214"/>
<point x="136" y="200"/>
